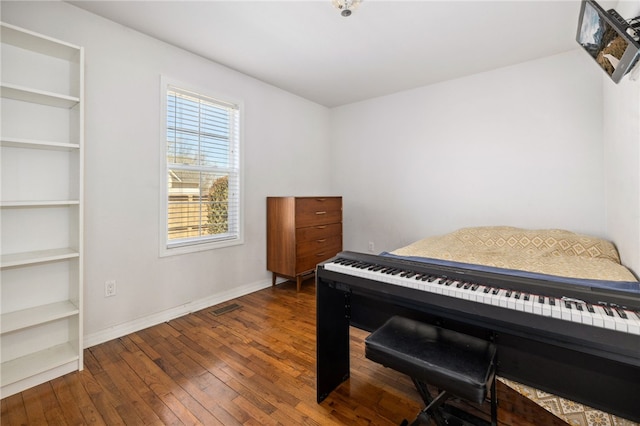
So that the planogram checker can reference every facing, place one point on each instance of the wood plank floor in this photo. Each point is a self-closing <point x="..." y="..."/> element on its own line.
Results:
<point x="254" y="365"/>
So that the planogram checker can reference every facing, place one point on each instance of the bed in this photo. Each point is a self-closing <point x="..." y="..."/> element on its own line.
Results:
<point x="567" y="256"/>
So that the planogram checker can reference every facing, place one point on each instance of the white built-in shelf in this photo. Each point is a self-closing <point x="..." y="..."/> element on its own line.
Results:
<point x="37" y="315"/>
<point x="38" y="203"/>
<point x="42" y="97"/>
<point x="42" y="93"/>
<point x="37" y="362"/>
<point x="25" y="39"/>
<point x="37" y="144"/>
<point x="39" y="256"/>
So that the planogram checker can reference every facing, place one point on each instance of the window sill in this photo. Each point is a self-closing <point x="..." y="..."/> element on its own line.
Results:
<point x="195" y="247"/>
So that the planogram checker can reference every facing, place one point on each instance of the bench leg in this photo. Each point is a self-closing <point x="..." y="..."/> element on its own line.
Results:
<point x="432" y="408"/>
<point x="448" y="415"/>
<point x="494" y="403"/>
<point x="423" y="391"/>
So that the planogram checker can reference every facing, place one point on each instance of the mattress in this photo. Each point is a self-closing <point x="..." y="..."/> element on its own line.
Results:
<point x="563" y="255"/>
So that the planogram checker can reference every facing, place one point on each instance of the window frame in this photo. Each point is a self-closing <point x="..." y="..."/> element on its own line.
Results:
<point x="195" y="244"/>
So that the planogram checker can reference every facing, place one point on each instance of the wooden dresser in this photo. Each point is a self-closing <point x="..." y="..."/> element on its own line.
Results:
<point x="302" y="232"/>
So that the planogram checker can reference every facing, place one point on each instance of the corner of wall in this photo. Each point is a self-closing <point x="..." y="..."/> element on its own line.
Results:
<point x="621" y="145"/>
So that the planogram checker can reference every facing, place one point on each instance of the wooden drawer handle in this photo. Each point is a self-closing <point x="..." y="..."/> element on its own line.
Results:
<point x="321" y="212"/>
<point x="319" y="254"/>
<point x="322" y="240"/>
<point x="321" y="227"/>
<point x="321" y="199"/>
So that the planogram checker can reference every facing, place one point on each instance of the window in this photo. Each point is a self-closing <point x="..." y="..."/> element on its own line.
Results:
<point x="202" y="152"/>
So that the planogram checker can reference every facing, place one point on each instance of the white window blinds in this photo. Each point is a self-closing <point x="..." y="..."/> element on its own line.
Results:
<point x="203" y="169"/>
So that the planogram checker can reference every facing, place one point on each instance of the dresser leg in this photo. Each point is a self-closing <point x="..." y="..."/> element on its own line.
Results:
<point x="273" y="279"/>
<point x="298" y="282"/>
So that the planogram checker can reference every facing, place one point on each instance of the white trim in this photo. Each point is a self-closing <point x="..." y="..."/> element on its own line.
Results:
<point x="120" y="330"/>
<point x="176" y="249"/>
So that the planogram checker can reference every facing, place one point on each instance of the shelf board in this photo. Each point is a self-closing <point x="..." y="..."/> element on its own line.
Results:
<point x="25" y="318"/>
<point x="39" y="203"/>
<point x="39" y="256"/>
<point x="30" y="40"/>
<point x="36" y="363"/>
<point x="38" y="144"/>
<point x="26" y="94"/>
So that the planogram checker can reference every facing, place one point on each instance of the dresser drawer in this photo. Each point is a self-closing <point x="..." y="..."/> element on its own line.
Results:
<point x="332" y="244"/>
<point x="318" y="232"/>
<point x="309" y="261"/>
<point x="318" y="211"/>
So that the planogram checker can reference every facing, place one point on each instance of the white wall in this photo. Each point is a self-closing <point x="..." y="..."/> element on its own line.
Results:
<point x="122" y="162"/>
<point x="518" y="146"/>
<point x="622" y="157"/>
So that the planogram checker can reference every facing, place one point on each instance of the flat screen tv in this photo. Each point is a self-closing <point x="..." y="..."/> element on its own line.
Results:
<point x="608" y="38"/>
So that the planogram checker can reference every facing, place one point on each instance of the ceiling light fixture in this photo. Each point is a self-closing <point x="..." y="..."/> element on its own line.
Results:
<point x="346" y="6"/>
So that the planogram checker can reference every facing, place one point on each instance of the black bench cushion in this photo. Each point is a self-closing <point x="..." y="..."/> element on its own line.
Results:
<point x="460" y="364"/>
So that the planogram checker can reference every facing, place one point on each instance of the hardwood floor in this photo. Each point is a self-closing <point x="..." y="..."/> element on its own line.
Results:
<point x="254" y="365"/>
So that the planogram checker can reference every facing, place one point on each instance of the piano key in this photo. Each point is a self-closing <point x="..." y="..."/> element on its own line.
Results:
<point x="565" y="310"/>
<point x="596" y="315"/>
<point x="620" y="312"/>
<point x="487" y="295"/>
<point x="585" y="315"/>
<point x="556" y="311"/>
<point x="520" y="302"/>
<point x="538" y="304"/>
<point x="529" y="303"/>
<point x="607" y="316"/>
<point x="621" y="323"/>
<point x="633" y="326"/>
<point x="576" y="314"/>
<point x="498" y="298"/>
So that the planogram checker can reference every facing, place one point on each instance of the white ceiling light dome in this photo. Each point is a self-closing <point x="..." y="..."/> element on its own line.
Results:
<point x="346" y="6"/>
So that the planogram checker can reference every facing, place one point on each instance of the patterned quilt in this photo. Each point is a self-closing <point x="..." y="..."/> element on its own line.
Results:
<point x="553" y="252"/>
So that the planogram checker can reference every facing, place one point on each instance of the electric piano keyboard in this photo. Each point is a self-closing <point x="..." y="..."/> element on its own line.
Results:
<point x="598" y="314"/>
<point x="579" y="342"/>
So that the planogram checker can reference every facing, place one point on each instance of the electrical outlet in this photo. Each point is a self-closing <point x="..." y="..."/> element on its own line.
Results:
<point x="371" y="247"/>
<point x="109" y="288"/>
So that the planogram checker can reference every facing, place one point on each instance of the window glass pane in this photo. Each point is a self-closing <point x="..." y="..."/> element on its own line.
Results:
<point x="198" y="132"/>
<point x="198" y="204"/>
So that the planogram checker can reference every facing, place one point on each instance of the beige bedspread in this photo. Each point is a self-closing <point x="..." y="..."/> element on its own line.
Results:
<point x="553" y="251"/>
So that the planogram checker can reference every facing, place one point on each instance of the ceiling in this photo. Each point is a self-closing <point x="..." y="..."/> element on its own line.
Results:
<point x="309" y="49"/>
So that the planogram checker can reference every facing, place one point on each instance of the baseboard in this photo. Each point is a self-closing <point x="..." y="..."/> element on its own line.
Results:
<point x="150" y="320"/>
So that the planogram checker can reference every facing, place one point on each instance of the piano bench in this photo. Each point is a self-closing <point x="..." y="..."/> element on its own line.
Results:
<point x="457" y="364"/>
